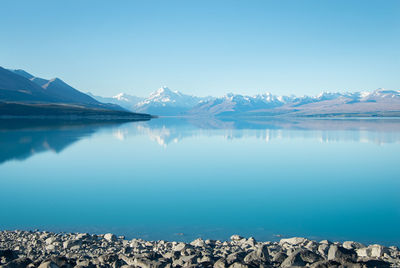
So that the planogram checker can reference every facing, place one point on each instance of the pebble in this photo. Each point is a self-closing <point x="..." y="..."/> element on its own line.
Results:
<point x="45" y="249"/>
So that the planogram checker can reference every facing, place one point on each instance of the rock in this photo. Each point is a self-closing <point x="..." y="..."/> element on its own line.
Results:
<point x="323" y="250"/>
<point x="82" y="236"/>
<point x="18" y="263"/>
<point x="238" y="265"/>
<point x="50" y="247"/>
<point x="62" y="262"/>
<point x="293" y="241"/>
<point x="312" y="245"/>
<point x="377" y="250"/>
<point x="377" y="263"/>
<point x="50" y="240"/>
<point x="340" y="254"/>
<point x="309" y="256"/>
<point x="110" y="237"/>
<point x="363" y="252"/>
<point x="198" y="243"/>
<point x="293" y="260"/>
<point x="235" y="257"/>
<point x="205" y="260"/>
<point x="91" y="251"/>
<point x="327" y="242"/>
<point x="48" y="264"/>
<point x="71" y="243"/>
<point x="179" y="247"/>
<point x="279" y="257"/>
<point x="325" y="264"/>
<point x="236" y="237"/>
<point x="191" y="259"/>
<point x="352" y="245"/>
<point x="221" y="263"/>
<point x="300" y="258"/>
<point x="8" y="255"/>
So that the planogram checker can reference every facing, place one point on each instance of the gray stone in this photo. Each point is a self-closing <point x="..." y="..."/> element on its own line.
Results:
<point x="179" y="247"/>
<point x="238" y="265"/>
<point x="279" y="257"/>
<point x="235" y="257"/>
<point x="352" y="245"/>
<point x="198" y="243"/>
<point x="340" y="254"/>
<point x="323" y="250"/>
<point x="110" y="237"/>
<point x="377" y="250"/>
<point x="293" y="260"/>
<point x="221" y="263"/>
<point x="293" y="241"/>
<point x="48" y="264"/>
<point x="236" y="237"/>
<point x="325" y="264"/>
<point x="18" y="263"/>
<point x="71" y="243"/>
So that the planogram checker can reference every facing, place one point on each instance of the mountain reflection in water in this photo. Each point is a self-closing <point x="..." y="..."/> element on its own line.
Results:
<point x="21" y="139"/>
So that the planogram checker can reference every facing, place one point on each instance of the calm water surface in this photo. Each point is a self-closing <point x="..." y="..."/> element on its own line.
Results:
<point x="178" y="179"/>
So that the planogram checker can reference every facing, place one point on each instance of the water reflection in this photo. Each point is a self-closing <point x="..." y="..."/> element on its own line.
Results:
<point x="172" y="130"/>
<point x="21" y="139"/>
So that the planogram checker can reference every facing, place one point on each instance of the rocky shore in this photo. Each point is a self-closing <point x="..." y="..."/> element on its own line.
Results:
<point x="45" y="249"/>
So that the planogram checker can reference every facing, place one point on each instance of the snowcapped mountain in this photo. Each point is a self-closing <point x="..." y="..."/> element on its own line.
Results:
<point x="380" y="102"/>
<point x="124" y="100"/>
<point x="164" y="101"/>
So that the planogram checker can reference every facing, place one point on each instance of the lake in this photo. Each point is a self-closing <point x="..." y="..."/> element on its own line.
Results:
<point x="179" y="179"/>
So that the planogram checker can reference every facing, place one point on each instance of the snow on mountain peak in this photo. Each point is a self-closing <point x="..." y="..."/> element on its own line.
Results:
<point x="121" y="97"/>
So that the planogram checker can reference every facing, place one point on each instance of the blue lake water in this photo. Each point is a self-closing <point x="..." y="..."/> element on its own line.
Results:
<point x="179" y="179"/>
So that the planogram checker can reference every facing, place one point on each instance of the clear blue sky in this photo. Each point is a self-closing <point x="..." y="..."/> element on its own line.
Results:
<point x="205" y="47"/>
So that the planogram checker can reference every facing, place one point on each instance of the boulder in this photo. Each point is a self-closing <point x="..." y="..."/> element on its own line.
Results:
<point x="8" y="255"/>
<point x="235" y="257"/>
<point x="325" y="264"/>
<point x="71" y="243"/>
<point x="377" y="251"/>
<point x="221" y="263"/>
<point x="293" y="260"/>
<point x="238" y="265"/>
<point x="18" y="263"/>
<point x="82" y="236"/>
<point x="179" y="247"/>
<point x="48" y="264"/>
<point x="292" y="241"/>
<point x="340" y="254"/>
<point x="236" y="237"/>
<point x="309" y="256"/>
<point x="323" y="250"/>
<point x="110" y="237"/>
<point x="279" y="257"/>
<point x="198" y="243"/>
<point x="352" y="245"/>
<point x="50" y="240"/>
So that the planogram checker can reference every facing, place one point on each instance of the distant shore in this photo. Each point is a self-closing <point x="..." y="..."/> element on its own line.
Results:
<point x="47" y="249"/>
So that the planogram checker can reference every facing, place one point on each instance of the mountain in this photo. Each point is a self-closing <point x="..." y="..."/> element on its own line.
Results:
<point x="164" y="101"/>
<point x="380" y="102"/>
<point x="167" y="102"/>
<point x="61" y="92"/>
<point x="124" y="100"/>
<point x="22" y="94"/>
<point x="236" y="103"/>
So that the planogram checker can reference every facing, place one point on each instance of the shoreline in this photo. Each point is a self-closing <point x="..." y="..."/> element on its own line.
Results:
<point x="47" y="249"/>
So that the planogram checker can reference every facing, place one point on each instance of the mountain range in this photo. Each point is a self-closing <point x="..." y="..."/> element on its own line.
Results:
<point x="166" y="102"/>
<point x="22" y="94"/>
